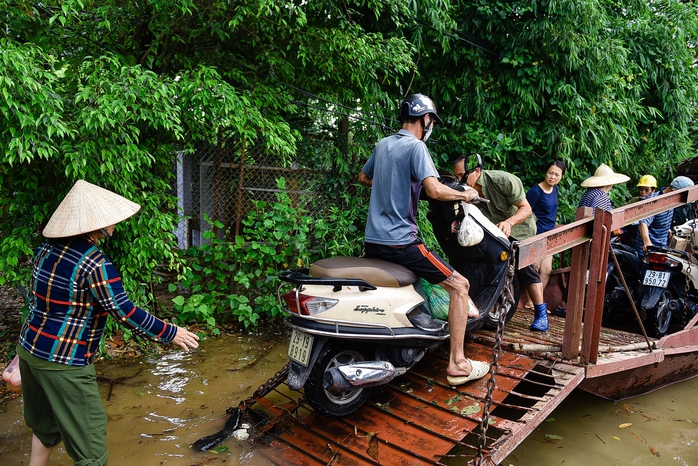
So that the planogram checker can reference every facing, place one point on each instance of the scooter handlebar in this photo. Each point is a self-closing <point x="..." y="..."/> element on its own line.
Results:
<point x="478" y="200"/>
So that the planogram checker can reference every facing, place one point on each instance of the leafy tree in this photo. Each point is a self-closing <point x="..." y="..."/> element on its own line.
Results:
<point x="110" y="91"/>
<point x="586" y="81"/>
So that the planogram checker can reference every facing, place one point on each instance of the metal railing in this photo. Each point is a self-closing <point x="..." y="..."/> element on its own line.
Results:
<point x="588" y="237"/>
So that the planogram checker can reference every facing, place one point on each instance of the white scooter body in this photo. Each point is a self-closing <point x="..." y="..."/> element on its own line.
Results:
<point x="358" y="323"/>
<point x="681" y="236"/>
<point x="383" y="307"/>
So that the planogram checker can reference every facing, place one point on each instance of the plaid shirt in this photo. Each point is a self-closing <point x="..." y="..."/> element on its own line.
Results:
<point x="74" y="288"/>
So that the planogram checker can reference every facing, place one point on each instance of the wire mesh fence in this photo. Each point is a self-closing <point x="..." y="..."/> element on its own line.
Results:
<point x="221" y="182"/>
<point x="11" y="303"/>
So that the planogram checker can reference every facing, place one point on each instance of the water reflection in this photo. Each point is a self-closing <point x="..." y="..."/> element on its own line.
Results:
<point x="166" y="403"/>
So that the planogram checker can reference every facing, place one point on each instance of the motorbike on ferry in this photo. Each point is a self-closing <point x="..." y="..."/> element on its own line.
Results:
<point x="357" y="323"/>
<point x="617" y="302"/>
<point x="663" y="285"/>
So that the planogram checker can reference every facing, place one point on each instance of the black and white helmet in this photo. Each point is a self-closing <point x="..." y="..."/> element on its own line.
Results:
<point x="417" y="105"/>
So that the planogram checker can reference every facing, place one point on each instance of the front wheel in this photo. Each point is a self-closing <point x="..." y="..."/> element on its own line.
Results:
<point x="659" y="317"/>
<point x="508" y="307"/>
<point x="334" y="355"/>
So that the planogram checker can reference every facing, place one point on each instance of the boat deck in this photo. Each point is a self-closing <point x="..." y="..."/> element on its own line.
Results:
<point x="419" y="418"/>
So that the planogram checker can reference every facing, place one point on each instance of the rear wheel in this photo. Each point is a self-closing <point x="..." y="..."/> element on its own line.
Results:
<point x="508" y="307"/>
<point x="334" y="355"/>
<point x="659" y="317"/>
<point x="609" y="318"/>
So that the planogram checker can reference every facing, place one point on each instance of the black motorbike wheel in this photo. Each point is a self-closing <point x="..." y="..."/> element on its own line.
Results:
<point x="659" y="317"/>
<point x="492" y="317"/>
<point x="609" y="318"/>
<point x="334" y="355"/>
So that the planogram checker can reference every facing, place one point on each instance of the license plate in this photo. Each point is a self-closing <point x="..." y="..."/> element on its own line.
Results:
<point x="299" y="347"/>
<point x="656" y="278"/>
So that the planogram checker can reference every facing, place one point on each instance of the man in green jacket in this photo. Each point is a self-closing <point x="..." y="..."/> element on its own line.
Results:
<point x="511" y="212"/>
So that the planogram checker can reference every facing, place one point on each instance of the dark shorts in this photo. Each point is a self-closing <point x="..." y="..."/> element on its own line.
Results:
<point x="528" y="275"/>
<point x="415" y="256"/>
<point x="65" y="405"/>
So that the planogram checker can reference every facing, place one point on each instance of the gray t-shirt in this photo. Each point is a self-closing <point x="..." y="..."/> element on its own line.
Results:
<point x="397" y="166"/>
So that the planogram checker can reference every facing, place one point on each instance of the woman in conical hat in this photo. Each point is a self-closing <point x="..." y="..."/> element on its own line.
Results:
<point x="598" y="187"/>
<point x="74" y="288"/>
<point x="596" y="196"/>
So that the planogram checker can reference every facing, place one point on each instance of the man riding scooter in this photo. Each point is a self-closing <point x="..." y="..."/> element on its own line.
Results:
<point x="399" y="167"/>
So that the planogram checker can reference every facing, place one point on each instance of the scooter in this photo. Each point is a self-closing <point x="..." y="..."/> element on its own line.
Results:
<point x="670" y="284"/>
<point x="682" y="235"/>
<point x="357" y="323"/>
<point x="617" y="303"/>
<point x="662" y="284"/>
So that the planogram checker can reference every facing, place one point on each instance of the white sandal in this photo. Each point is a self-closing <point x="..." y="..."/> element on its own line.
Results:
<point x="479" y="369"/>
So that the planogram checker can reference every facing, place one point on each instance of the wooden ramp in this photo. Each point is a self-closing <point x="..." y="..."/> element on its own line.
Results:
<point x="418" y="418"/>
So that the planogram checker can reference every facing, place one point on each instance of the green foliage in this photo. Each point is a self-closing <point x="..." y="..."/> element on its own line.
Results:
<point x="585" y="81"/>
<point x="237" y="280"/>
<point x="110" y="92"/>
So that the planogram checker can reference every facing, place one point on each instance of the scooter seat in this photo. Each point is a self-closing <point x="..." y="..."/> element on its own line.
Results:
<point x="375" y="271"/>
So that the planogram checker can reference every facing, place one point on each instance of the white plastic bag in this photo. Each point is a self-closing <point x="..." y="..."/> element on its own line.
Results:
<point x="469" y="233"/>
<point x="11" y="373"/>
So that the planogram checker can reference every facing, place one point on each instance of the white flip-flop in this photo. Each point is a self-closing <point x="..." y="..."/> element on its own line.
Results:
<point x="478" y="371"/>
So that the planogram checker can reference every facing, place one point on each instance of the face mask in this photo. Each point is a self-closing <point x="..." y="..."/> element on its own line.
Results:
<point x="427" y="131"/>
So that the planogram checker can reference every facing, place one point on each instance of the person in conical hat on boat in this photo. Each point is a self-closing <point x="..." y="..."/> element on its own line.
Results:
<point x="598" y="187"/>
<point x="596" y="196"/>
<point x="74" y="287"/>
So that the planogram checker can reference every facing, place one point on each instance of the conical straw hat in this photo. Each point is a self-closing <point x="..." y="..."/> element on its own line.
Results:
<point x="88" y="208"/>
<point x="604" y="176"/>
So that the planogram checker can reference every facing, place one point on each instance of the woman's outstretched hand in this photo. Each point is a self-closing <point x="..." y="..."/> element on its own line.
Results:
<point x="186" y="339"/>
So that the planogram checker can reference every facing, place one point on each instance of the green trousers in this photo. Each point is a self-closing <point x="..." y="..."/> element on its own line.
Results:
<point x="63" y="403"/>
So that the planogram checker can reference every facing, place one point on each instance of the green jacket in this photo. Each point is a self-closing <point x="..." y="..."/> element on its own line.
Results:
<point x="504" y="191"/>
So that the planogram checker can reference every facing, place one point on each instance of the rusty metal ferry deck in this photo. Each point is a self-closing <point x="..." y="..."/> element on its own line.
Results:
<point x="419" y="419"/>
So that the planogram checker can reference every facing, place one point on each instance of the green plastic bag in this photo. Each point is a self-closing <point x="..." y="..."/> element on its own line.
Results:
<point x="439" y="300"/>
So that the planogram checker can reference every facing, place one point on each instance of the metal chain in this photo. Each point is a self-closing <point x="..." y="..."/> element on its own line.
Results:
<point x="507" y="298"/>
<point x="264" y="389"/>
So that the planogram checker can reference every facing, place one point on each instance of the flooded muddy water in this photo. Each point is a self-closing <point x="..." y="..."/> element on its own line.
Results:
<point x="159" y="406"/>
<point x="166" y="403"/>
<point x="660" y="428"/>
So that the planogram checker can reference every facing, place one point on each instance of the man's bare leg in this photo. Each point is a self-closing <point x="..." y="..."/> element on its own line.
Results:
<point x="545" y="269"/>
<point x="458" y="286"/>
<point x="535" y="291"/>
<point x="40" y="454"/>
